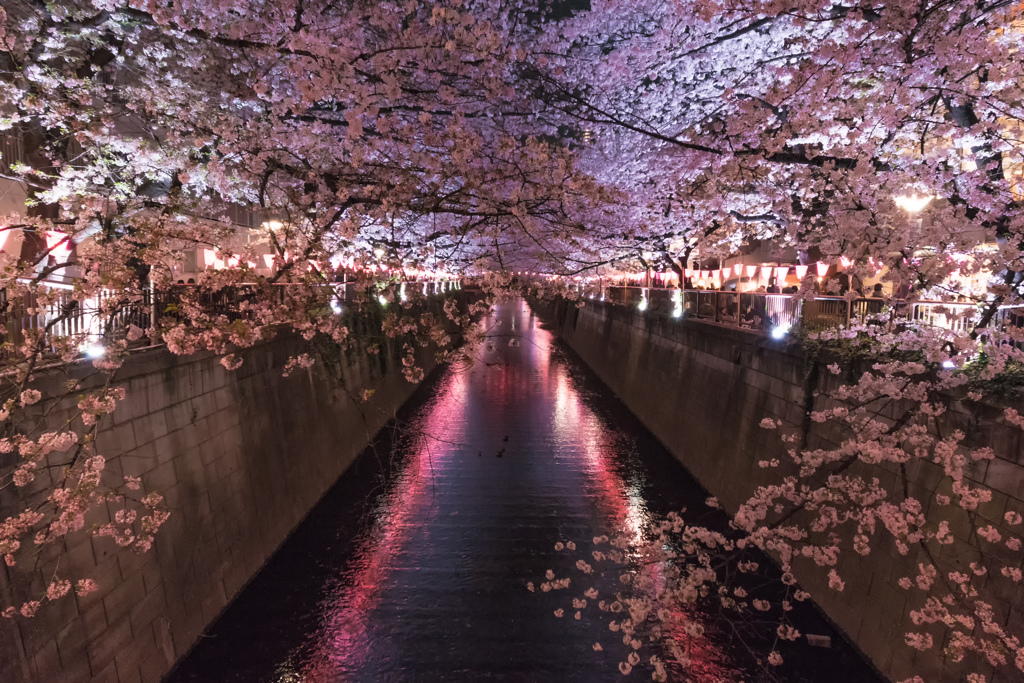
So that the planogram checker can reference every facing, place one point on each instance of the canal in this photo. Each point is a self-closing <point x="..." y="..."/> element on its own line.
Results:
<point x="415" y="565"/>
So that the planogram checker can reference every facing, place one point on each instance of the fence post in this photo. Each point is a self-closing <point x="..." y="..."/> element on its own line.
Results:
<point x="154" y="335"/>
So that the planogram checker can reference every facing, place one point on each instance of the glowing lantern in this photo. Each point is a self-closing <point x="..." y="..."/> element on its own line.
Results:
<point x="726" y="272"/>
<point x="751" y="270"/>
<point x="269" y="260"/>
<point x="801" y="272"/>
<point x="913" y="203"/>
<point x="688" y="272"/>
<point x="58" y="244"/>
<point x="822" y="268"/>
<point x="781" y="272"/>
<point x="766" y="271"/>
<point x="845" y="261"/>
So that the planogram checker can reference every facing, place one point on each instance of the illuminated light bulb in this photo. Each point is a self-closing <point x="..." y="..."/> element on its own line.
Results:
<point x="913" y="203"/>
<point x="779" y="331"/>
<point x="94" y="351"/>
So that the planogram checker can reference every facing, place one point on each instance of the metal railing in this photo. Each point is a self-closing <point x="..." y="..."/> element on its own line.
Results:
<point x="12" y="150"/>
<point x="765" y="313"/>
<point x="55" y="316"/>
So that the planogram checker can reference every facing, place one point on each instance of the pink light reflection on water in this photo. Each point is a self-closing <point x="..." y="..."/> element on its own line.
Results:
<point x="344" y="643"/>
<point x="623" y="506"/>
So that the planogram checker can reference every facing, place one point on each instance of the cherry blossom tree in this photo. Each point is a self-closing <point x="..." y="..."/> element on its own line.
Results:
<point x="812" y="124"/>
<point x="372" y="143"/>
<point x="375" y="141"/>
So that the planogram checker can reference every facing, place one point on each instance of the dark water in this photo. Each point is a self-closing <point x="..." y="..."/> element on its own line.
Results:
<point x="414" y="566"/>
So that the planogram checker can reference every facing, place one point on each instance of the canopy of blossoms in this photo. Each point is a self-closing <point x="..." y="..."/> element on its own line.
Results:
<point x="371" y="141"/>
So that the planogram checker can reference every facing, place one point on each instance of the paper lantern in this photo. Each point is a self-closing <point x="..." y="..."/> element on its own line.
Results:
<point x="4" y="234"/>
<point x="751" y="270"/>
<point x="845" y="261"/>
<point x="269" y="260"/>
<point x="766" y="271"/>
<point x="721" y="275"/>
<point x="822" y="268"/>
<point x="58" y="243"/>
<point x="726" y="272"/>
<point x="781" y="272"/>
<point x="688" y="272"/>
<point x="801" y="272"/>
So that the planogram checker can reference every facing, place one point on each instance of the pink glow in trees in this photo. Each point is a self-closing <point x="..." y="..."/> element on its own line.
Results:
<point x="473" y="136"/>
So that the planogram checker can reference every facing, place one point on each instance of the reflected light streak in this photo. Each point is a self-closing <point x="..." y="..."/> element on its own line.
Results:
<point x="623" y="505"/>
<point x="344" y="640"/>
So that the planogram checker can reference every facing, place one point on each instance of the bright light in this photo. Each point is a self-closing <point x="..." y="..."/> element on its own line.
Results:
<point x="913" y="203"/>
<point x="779" y="331"/>
<point x="948" y="364"/>
<point x="378" y="252"/>
<point x="94" y="351"/>
<point x="273" y="225"/>
<point x="335" y="306"/>
<point x="643" y="300"/>
<point x="382" y="299"/>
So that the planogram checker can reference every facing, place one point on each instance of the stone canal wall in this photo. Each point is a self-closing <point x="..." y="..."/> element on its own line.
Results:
<point x="703" y="389"/>
<point x="241" y="457"/>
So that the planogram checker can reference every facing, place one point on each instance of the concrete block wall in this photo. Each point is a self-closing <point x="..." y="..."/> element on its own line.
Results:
<point x="241" y="457"/>
<point x="703" y="390"/>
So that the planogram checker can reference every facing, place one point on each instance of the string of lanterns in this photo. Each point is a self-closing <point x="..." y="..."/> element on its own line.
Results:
<point x="670" y="278"/>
